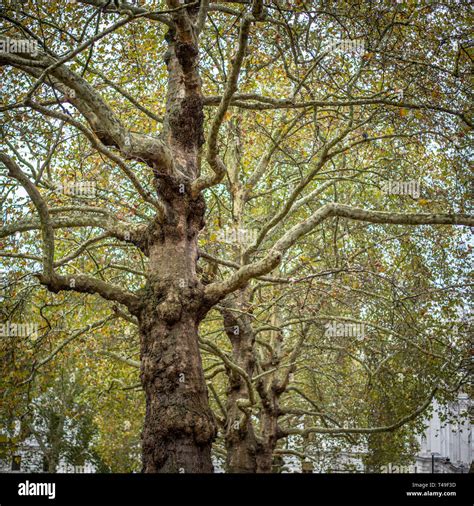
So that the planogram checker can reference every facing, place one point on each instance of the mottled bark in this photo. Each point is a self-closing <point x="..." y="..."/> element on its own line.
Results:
<point x="250" y="450"/>
<point x="269" y="433"/>
<point x="179" y="426"/>
<point x="270" y="387"/>
<point x="240" y="440"/>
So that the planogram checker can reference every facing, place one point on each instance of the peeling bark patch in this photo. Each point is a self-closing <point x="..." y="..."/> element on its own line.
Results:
<point x="187" y="122"/>
<point x="186" y="54"/>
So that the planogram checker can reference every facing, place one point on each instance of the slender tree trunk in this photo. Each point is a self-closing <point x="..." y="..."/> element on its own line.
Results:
<point x="240" y="438"/>
<point x="270" y="389"/>
<point x="269" y="431"/>
<point x="52" y="464"/>
<point x="248" y="452"/>
<point x="54" y="441"/>
<point x="241" y="447"/>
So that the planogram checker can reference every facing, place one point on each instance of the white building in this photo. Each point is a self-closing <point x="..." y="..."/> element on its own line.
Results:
<point x="447" y="447"/>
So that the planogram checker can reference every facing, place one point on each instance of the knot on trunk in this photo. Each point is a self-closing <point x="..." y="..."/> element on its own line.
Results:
<point x="170" y="309"/>
<point x="177" y="423"/>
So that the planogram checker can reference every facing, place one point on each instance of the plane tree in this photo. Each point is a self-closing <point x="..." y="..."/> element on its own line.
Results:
<point x="131" y="104"/>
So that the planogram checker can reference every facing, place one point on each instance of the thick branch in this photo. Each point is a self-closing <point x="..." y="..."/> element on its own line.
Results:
<point x="213" y="159"/>
<point x="86" y="284"/>
<point x="216" y="291"/>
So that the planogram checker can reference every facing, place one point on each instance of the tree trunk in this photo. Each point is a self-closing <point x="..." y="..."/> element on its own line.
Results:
<point x="54" y="439"/>
<point x="179" y="425"/>
<point x="240" y="438"/>
<point x="247" y="452"/>
<point x="270" y="389"/>
<point x="52" y="464"/>
<point x="269" y="429"/>
<point x="241" y="451"/>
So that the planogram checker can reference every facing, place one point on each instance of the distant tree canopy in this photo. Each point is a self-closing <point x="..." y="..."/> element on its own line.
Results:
<point x="234" y="230"/>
